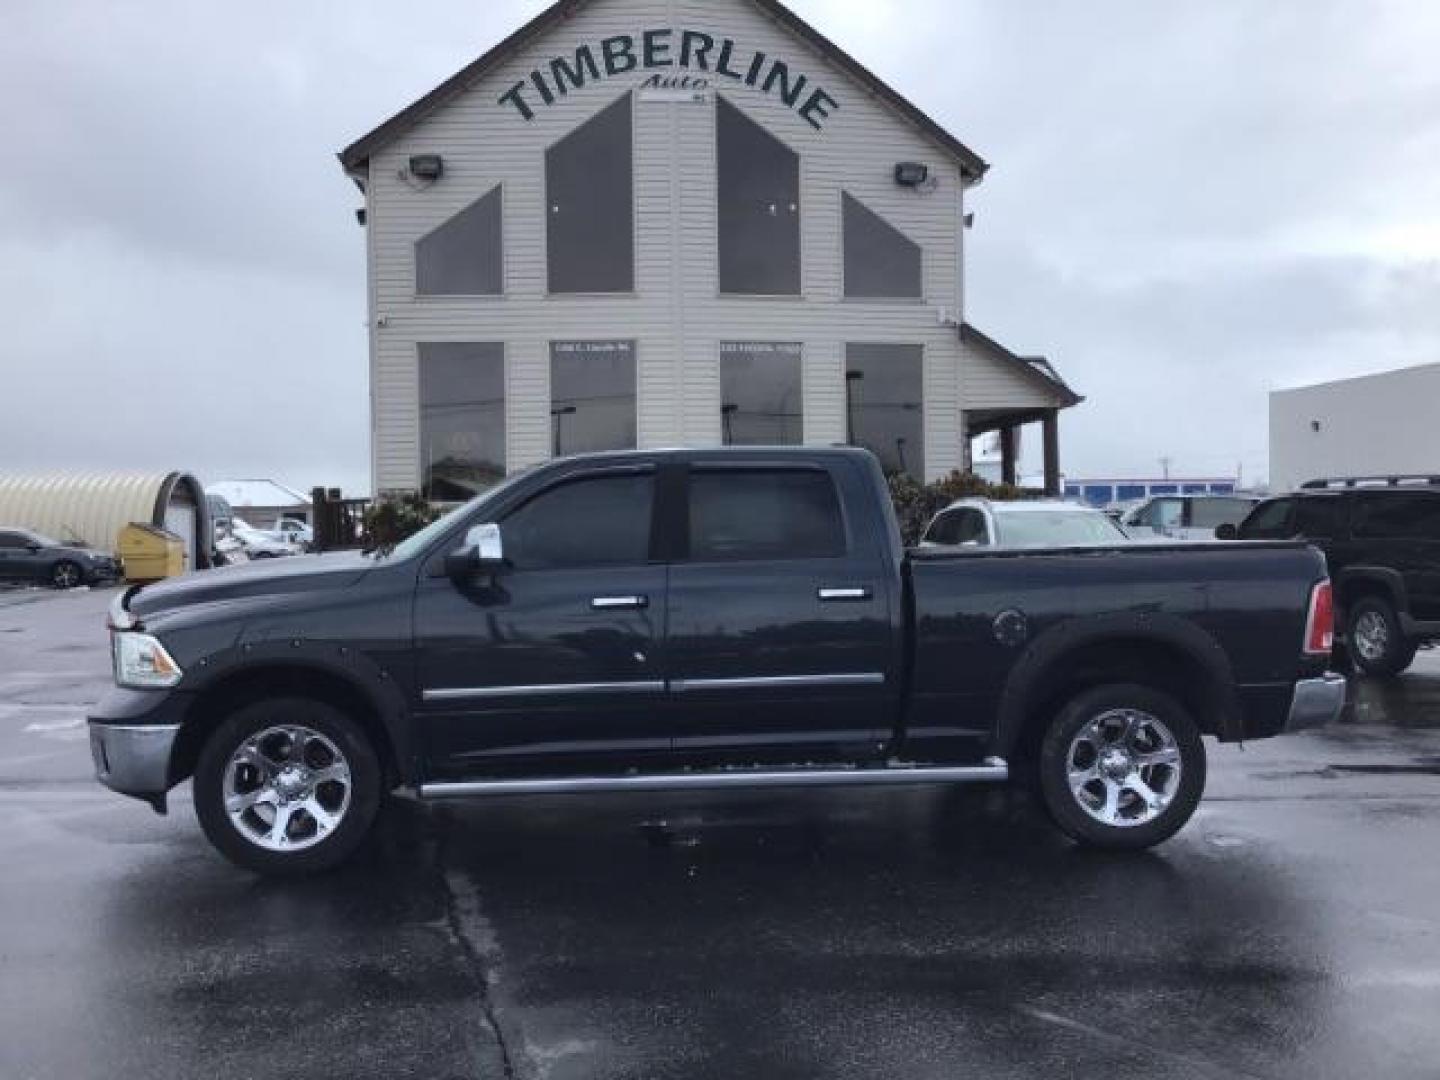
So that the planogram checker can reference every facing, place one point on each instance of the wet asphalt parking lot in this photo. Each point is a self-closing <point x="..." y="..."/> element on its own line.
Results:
<point x="1291" y="930"/>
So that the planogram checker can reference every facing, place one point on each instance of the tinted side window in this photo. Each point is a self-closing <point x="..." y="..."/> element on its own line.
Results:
<point x="763" y="514"/>
<point x="1318" y="518"/>
<point x="590" y="227"/>
<point x="599" y="521"/>
<point x="1269" y="519"/>
<point x="880" y="260"/>
<point x="11" y="540"/>
<point x="1397" y="516"/>
<point x="758" y="178"/>
<point x="972" y="528"/>
<point x="464" y="255"/>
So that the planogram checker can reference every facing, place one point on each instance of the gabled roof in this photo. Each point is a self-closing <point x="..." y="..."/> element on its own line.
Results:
<point x="1035" y="368"/>
<point x="355" y="156"/>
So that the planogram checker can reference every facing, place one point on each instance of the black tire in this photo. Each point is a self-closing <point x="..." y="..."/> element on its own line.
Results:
<point x="356" y="816"/>
<point x="1135" y="827"/>
<point x="67" y="574"/>
<point x="1375" y="640"/>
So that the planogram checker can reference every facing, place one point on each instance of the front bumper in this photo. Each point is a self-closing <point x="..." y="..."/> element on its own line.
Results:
<point x="132" y="740"/>
<point x="134" y="760"/>
<point x="1317" y="702"/>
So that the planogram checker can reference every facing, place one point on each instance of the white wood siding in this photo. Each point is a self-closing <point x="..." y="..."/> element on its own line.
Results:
<point x="676" y="315"/>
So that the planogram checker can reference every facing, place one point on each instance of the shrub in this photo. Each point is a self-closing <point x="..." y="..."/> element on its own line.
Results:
<point x="394" y="518"/>
<point x="916" y="503"/>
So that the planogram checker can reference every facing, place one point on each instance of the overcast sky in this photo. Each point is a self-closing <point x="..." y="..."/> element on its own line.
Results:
<point x="1190" y="204"/>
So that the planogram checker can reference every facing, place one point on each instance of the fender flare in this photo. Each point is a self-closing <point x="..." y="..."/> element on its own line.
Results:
<point x="372" y="683"/>
<point x="1388" y="578"/>
<point x="1048" y="652"/>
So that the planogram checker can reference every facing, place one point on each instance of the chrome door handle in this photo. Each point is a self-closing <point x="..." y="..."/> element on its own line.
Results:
<point x="619" y="603"/>
<point x="849" y="593"/>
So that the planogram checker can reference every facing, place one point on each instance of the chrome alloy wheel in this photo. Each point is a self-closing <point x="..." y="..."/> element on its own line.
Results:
<point x="1372" y="636"/>
<point x="287" y="788"/>
<point x="1124" y="767"/>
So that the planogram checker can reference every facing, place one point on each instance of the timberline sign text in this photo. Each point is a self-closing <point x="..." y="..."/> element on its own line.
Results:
<point x="690" y="50"/>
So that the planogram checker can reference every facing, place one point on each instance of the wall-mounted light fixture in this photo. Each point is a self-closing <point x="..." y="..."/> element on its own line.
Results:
<point x="1315" y="426"/>
<point x="428" y="167"/>
<point x="911" y="174"/>
<point x="360" y="217"/>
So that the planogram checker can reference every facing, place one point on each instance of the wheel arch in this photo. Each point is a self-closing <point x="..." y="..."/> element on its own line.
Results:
<point x="373" y="708"/>
<point x="1356" y="582"/>
<point x="1164" y="652"/>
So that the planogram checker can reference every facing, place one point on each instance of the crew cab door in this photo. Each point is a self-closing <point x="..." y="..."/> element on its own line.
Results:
<point x="782" y="643"/>
<point x="549" y="664"/>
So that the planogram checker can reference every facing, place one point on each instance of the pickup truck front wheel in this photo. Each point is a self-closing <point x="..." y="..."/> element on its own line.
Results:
<point x="287" y="786"/>
<point x="1122" y="766"/>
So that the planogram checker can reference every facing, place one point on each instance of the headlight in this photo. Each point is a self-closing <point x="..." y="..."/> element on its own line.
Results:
<point x="141" y="662"/>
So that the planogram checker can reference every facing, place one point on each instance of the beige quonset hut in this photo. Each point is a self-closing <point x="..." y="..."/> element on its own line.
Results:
<point x="92" y="508"/>
<point x="673" y="222"/>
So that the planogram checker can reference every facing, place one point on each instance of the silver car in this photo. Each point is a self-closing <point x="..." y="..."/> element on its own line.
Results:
<point x="1041" y="524"/>
<point x="1186" y="517"/>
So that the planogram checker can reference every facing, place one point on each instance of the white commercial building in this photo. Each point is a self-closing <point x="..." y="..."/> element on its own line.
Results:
<point x="1375" y="425"/>
<point x="673" y="222"/>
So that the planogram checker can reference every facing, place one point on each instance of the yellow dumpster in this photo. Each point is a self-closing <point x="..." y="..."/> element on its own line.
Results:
<point x="150" y="553"/>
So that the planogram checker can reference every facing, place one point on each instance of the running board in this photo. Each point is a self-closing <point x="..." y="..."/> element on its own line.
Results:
<point x="993" y="770"/>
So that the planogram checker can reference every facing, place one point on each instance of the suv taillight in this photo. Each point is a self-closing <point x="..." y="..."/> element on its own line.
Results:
<point x="1320" y="624"/>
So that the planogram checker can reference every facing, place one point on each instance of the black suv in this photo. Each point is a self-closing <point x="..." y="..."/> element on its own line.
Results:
<point x="1381" y="537"/>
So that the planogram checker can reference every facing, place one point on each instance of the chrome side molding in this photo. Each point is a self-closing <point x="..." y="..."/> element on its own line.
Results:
<point x="779" y="682"/>
<point x="464" y="693"/>
<point x="992" y="770"/>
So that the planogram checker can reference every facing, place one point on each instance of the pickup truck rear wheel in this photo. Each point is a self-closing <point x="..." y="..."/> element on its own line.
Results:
<point x="287" y="786"/>
<point x="1122" y="766"/>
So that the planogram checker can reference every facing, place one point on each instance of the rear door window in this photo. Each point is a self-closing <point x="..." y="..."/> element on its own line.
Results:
<point x="752" y="514"/>
<point x="1319" y="518"/>
<point x="1212" y="513"/>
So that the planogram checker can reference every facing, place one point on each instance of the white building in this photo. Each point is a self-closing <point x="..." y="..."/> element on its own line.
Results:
<point x="1375" y="425"/>
<point x="673" y="222"/>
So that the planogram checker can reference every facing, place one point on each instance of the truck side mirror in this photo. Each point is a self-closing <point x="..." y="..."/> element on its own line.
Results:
<point x="1227" y="531"/>
<point x="483" y="551"/>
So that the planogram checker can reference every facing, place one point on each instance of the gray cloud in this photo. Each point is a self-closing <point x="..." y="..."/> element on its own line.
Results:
<point x="1190" y="204"/>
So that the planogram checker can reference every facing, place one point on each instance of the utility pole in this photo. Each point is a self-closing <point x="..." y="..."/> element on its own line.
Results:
<point x="1165" y="467"/>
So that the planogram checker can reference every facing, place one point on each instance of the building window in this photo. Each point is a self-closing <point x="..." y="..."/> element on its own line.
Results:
<point x="880" y="260"/>
<point x="592" y="396"/>
<point x="590" y="224"/>
<point x="884" y="404"/>
<point x="759" y="208"/>
<point x="462" y="418"/>
<point x="464" y="256"/>
<point x="760" y="393"/>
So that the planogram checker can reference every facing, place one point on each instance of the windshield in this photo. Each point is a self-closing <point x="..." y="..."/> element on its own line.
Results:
<point x="1056" y="528"/>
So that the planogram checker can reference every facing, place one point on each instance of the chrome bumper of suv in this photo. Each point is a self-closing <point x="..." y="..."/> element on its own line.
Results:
<point x="134" y="759"/>
<point x="1317" y="702"/>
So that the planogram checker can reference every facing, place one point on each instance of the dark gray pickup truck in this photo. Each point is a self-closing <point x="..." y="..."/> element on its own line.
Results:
<point x="702" y="619"/>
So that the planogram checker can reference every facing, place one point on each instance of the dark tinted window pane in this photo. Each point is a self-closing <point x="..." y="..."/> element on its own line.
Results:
<point x="945" y="529"/>
<point x="604" y="521"/>
<point x="1212" y="513"/>
<point x="11" y="540"/>
<point x="1397" y="516"/>
<point x="759" y="208"/>
<point x="880" y="260"/>
<point x="884" y="386"/>
<point x="760" y="394"/>
<point x="1269" y="519"/>
<point x="462" y="418"/>
<point x="1318" y="518"/>
<point x="463" y="257"/>
<point x="760" y="514"/>
<point x="592" y="396"/>
<point x="590" y="224"/>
